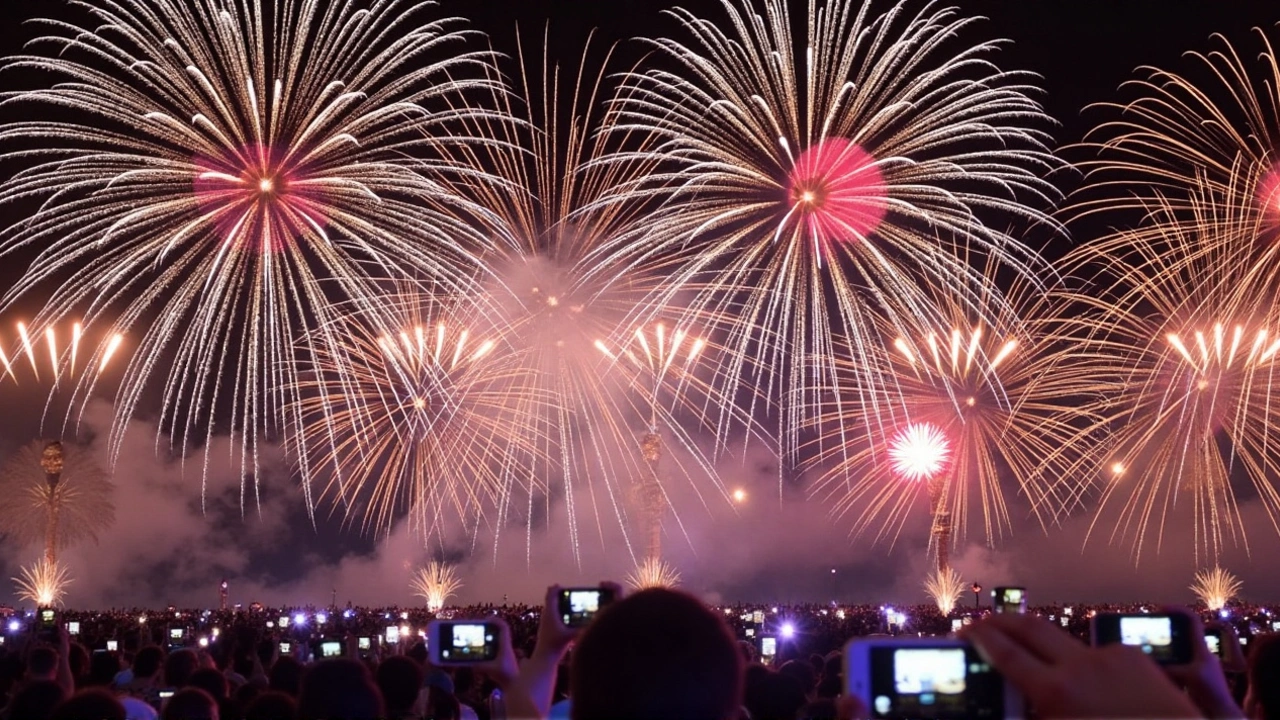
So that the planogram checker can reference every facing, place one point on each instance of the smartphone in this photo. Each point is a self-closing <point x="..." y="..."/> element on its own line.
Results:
<point x="579" y="605"/>
<point x="365" y="644"/>
<point x="330" y="649"/>
<point x="768" y="648"/>
<point x="113" y="646"/>
<point x="751" y="632"/>
<point x="286" y="648"/>
<point x="176" y="634"/>
<point x="73" y="628"/>
<point x="1213" y="640"/>
<point x="1010" y="600"/>
<point x="47" y="626"/>
<point x="926" y="677"/>
<point x="1166" y="638"/>
<point x="393" y="634"/>
<point x="452" y="643"/>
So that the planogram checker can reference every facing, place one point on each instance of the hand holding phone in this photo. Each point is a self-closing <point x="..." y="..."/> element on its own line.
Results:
<point x="1166" y="638"/>
<point x="1062" y="677"/>
<point x="464" y="642"/>
<point x="926" y="677"/>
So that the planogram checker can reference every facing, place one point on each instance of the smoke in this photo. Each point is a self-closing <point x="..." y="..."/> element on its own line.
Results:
<point x="171" y="543"/>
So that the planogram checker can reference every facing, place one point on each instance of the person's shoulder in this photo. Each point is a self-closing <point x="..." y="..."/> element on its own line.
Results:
<point x="135" y="709"/>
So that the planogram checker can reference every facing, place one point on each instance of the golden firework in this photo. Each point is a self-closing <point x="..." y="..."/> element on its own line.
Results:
<point x="436" y="583"/>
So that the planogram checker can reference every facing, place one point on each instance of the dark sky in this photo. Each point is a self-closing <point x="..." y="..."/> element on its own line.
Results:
<point x="164" y="549"/>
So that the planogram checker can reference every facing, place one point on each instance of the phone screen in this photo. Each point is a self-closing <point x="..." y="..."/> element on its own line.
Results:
<point x="1011" y="600"/>
<point x="392" y="635"/>
<point x="365" y="643"/>
<point x="579" y="606"/>
<point x="330" y="649"/>
<point x="48" y="619"/>
<point x="468" y="642"/>
<point x="175" y="634"/>
<point x="73" y="628"/>
<point x="113" y="645"/>
<point x="938" y="682"/>
<point x="1214" y="642"/>
<point x="285" y="648"/>
<point x="1166" y="638"/>
<point x="768" y="646"/>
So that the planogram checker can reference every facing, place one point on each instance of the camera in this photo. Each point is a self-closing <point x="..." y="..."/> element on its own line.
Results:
<point x="113" y="646"/>
<point x="364" y="644"/>
<point x="453" y="643"/>
<point x="73" y="628"/>
<point x="393" y="634"/>
<point x="330" y="649"/>
<point x="926" y="677"/>
<point x="285" y="648"/>
<point x="1165" y="637"/>
<point x="579" y="605"/>
<point x="1010" y="600"/>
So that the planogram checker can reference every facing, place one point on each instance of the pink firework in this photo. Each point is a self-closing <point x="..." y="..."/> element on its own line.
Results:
<point x="262" y="195"/>
<point x="921" y="451"/>
<point x="837" y="191"/>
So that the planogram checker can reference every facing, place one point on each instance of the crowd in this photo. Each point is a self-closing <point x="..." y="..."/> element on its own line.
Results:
<point x="653" y="654"/>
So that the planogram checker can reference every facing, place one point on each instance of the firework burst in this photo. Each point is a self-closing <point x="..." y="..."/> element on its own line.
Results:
<point x="558" y="300"/>
<point x="1179" y="141"/>
<point x="823" y="180"/>
<point x="213" y="176"/>
<point x="43" y="583"/>
<point x="653" y="573"/>
<point x="76" y="508"/>
<point x="974" y="409"/>
<point x="946" y="588"/>
<point x="436" y="583"/>
<point x="1215" y="588"/>
<point x="1181" y="341"/>
<point x="416" y="414"/>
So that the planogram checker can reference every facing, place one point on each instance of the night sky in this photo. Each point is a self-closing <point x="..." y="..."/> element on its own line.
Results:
<point x="165" y="549"/>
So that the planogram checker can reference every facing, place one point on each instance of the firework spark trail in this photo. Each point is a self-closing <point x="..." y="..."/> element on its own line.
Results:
<point x="43" y="583"/>
<point x="1215" y="588"/>
<point x="217" y="174"/>
<point x="945" y="588"/>
<point x="653" y="573"/>
<point x="812" y="192"/>
<point x="417" y="415"/>
<point x="1178" y="332"/>
<point x="555" y="295"/>
<point x="436" y="583"/>
<point x="986" y="399"/>
<point x="82" y="497"/>
<point x="1178" y="141"/>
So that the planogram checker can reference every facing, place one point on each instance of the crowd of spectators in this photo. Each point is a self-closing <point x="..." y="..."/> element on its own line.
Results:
<point x="667" y="656"/>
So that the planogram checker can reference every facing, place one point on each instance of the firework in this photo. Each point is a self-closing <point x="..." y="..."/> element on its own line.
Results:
<point x="55" y="494"/>
<point x="974" y="409"/>
<point x="436" y="583"/>
<point x="557" y="298"/>
<point x="43" y="583"/>
<point x="59" y="353"/>
<point x="1177" y="141"/>
<point x="416" y="415"/>
<point x="215" y="176"/>
<point x="946" y="588"/>
<point x="817" y="182"/>
<point x="1215" y="588"/>
<point x="653" y="572"/>
<point x="1181" y="343"/>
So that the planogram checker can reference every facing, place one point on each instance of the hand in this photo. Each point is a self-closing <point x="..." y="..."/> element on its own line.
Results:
<point x="553" y="637"/>
<point x="1064" y="678"/>
<point x="1202" y="678"/>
